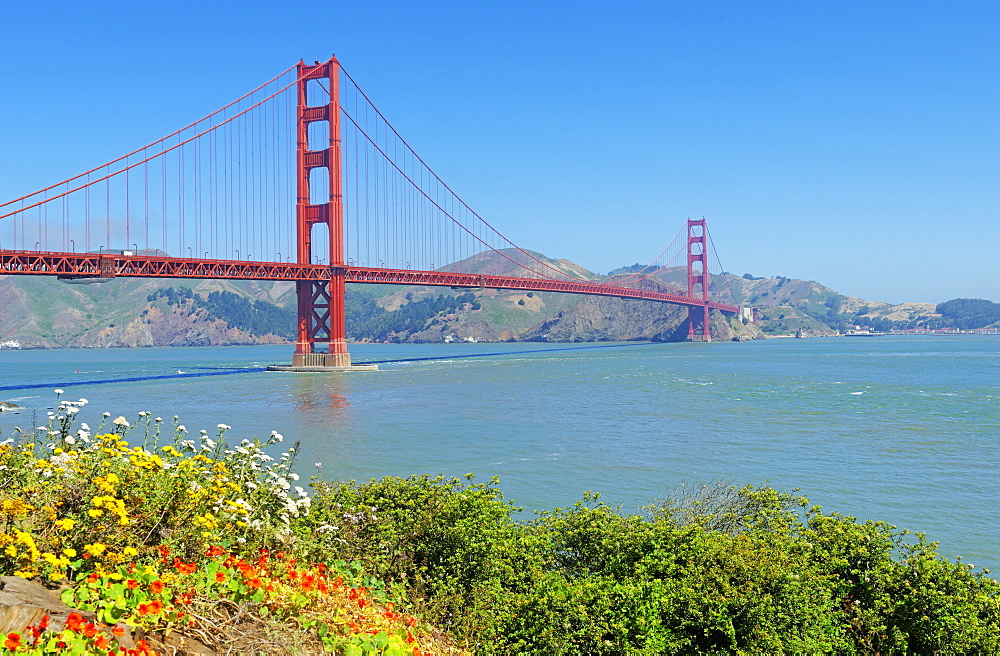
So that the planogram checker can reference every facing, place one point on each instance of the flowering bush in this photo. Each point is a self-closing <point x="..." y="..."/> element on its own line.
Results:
<point x="159" y="533"/>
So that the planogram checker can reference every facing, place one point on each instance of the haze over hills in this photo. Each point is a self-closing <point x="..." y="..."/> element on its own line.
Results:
<point x="41" y="312"/>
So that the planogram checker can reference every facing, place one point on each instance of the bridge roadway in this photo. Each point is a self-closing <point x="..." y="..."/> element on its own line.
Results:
<point x="113" y="265"/>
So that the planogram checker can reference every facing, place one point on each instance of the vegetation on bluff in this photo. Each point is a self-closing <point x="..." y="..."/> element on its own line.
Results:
<point x="158" y="534"/>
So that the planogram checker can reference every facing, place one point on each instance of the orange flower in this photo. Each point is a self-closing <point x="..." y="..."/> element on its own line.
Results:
<point x="155" y="606"/>
<point x="90" y="630"/>
<point x="354" y="627"/>
<point x="13" y="641"/>
<point x="131" y="584"/>
<point x="215" y="551"/>
<point x="143" y="609"/>
<point x="255" y="582"/>
<point x="156" y="587"/>
<point x="118" y="630"/>
<point x="44" y="623"/>
<point x="409" y="638"/>
<point x="220" y="577"/>
<point x="101" y="642"/>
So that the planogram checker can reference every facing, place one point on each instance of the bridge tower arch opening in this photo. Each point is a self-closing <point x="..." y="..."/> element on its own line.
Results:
<point x="321" y="320"/>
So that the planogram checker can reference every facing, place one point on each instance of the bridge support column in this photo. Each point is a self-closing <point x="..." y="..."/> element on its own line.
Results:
<point x="697" y="279"/>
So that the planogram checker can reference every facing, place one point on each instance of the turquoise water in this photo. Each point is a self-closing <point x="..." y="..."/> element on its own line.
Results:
<point x="897" y="428"/>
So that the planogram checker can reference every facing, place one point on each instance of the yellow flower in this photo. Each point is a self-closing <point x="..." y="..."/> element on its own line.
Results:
<point x="95" y="512"/>
<point x="65" y="524"/>
<point x="130" y="552"/>
<point x="69" y="552"/>
<point x="95" y="549"/>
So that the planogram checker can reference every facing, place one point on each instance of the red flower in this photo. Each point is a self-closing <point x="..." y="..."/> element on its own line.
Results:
<point x="118" y="630"/>
<point x="13" y="641"/>
<point x="156" y="587"/>
<point x="411" y="622"/>
<point x="93" y="578"/>
<point x="44" y="623"/>
<point x="74" y="621"/>
<point x="90" y="630"/>
<point x="255" y="582"/>
<point x="131" y="584"/>
<point x="409" y="638"/>
<point x="101" y="642"/>
<point x="143" y="609"/>
<point x="354" y="627"/>
<point x="215" y="551"/>
<point x="220" y="577"/>
<point x="155" y="606"/>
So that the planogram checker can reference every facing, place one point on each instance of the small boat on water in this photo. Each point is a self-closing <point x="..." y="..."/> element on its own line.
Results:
<point x="863" y="333"/>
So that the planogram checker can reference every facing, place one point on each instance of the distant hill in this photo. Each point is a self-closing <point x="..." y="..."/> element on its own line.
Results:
<point x="41" y="312"/>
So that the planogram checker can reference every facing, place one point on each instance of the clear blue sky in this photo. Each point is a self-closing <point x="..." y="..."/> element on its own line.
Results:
<point x="851" y="143"/>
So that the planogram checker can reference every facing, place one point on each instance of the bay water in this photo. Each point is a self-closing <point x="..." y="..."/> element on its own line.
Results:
<point x="904" y="429"/>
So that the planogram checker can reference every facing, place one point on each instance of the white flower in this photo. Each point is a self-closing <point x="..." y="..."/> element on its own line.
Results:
<point x="209" y="443"/>
<point x="318" y="465"/>
<point x="283" y="484"/>
<point x="83" y="401"/>
<point x="72" y="410"/>
<point x="223" y="427"/>
<point x="188" y="444"/>
<point x="158" y="420"/>
<point x="276" y="436"/>
<point x="85" y="427"/>
<point x="143" y="413"/>
<point x="182" y="429"/>
<point x="121" y="421"/>
<point x="294" y="477"/>
<point x="59" y="391"/>
<point x="70" y="440"/>
<point x="203" y="431"/>
<point x="83" y="435"/>
<point x="7" y="442"/>
<point x="106" y="415"/>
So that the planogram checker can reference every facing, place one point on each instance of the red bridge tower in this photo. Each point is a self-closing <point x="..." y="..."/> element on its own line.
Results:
<point x="698" y="326"/>
<point x="321" y="302"/>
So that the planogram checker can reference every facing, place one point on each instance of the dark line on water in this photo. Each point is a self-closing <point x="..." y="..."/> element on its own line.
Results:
<point x="225" y="371"/>
<point x="484" y="355"/>
<point x="132" y="379"/>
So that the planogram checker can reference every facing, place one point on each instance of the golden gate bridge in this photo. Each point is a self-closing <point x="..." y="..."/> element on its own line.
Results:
<point x="303" y="179"/>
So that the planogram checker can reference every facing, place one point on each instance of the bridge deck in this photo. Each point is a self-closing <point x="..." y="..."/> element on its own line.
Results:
<point x="105" y="265"/>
